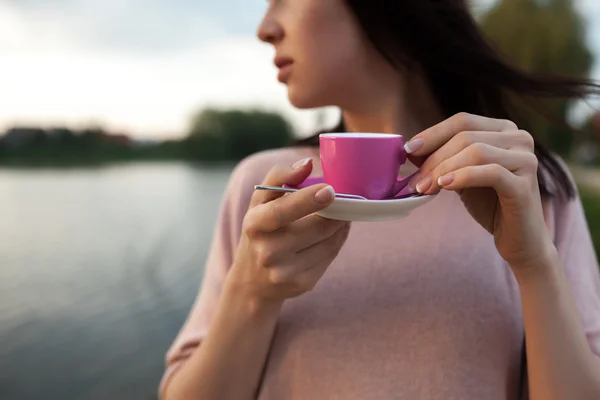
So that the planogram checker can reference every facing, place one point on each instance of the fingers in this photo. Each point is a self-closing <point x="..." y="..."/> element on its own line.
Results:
<point x="276" y="214"/>
<point x="280" y="175"/>
<point x="505" y="183"/>
<point x="307" y="231"/>
<point x="504" y="140"/>
<point x="307" y="266"/>
<point x="435" y="137"/>
<point x="276" y="247"/>
<point x="479" y="154"/>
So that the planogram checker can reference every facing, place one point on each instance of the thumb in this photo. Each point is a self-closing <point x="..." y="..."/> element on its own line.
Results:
<point x="280" y="175"/>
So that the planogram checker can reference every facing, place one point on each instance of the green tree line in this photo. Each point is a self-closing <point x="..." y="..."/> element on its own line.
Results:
<point x="546" y="37"/>
<point x="542" y="36"/>
<point x="234" y="134"/>
<point x="213" y="136"/>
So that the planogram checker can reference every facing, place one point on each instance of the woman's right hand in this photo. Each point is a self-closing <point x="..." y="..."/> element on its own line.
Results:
<point x="285" y="248"/>
<point x="283" y="251"/>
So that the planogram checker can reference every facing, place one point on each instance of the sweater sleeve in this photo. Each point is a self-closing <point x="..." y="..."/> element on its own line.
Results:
<point x="577" y="254"/>
<point x="226" y="236"/>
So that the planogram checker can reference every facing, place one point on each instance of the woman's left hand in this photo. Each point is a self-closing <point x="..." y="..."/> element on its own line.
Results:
<point x="492" y="165"/>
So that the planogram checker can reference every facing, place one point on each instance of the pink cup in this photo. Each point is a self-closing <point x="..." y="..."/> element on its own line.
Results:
<point x="366" y="164"/>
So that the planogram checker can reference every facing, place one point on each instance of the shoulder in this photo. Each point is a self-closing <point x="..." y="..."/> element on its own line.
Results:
<point x="555" y="172"/>
<point x="254" y="168"/>
<point x="561" y="212"/>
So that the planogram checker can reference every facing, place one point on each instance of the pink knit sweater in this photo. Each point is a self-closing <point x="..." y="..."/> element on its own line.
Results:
<point x="417" y="308"/>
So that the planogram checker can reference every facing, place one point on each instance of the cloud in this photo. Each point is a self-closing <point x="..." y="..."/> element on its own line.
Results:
<point x="140" y="25"/>
<point x="127" y="26"/>
<point x="144" y="66"/>
<point x="57" y="70"/>
<point x="142" y="93"/>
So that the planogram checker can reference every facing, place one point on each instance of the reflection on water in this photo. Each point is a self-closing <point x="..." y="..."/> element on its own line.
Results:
<point x="98" y="269"/>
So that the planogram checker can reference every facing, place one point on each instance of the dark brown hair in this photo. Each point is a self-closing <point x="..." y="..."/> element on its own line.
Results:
<point x="466" y="72"/>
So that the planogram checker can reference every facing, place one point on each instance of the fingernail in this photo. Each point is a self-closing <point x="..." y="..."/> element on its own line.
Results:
<point x="424" y="184"/>
<point x="325" y="195"/>
<point x="414" y="145"/>
<point x="301" y="163"/>
<point x="446" y="180"/>
<point x="412" y="184"/>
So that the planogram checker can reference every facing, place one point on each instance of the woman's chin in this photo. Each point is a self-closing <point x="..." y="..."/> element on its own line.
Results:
<point x="303" y="100"/>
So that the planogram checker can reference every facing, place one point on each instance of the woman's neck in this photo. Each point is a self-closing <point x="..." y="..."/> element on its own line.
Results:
<point x="407" y="109"/>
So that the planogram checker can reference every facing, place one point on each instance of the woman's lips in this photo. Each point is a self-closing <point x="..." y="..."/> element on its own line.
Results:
<point x="284" y="73"/>
<point x="285" y="67"/>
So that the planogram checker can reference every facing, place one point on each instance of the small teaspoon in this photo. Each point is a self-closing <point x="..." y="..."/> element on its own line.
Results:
<point x="291" y="190"/>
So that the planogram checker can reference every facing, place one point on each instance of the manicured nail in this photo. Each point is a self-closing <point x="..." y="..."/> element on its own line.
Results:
<point x="424" y="184"/>
<point x="301" y="163"/>
<point x="412" y="184"/>
<point x="414" y="145"/>
<point x="325" y="195"/>
<point x="446" y="180"/>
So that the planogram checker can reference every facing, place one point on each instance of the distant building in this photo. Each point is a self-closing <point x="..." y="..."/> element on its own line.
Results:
<point x="19" y="137"/>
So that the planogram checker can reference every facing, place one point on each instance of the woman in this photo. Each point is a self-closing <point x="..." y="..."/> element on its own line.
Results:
<point x="433" y="306"/>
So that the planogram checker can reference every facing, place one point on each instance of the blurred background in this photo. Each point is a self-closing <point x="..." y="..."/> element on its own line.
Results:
<point x="120" y="122"/>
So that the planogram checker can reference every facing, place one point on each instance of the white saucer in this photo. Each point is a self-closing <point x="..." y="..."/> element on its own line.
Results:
<point x="372" y="210"/>
<point x="369" y="210"/>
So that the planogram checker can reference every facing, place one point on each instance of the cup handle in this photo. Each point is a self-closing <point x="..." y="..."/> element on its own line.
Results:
<point x="401" y="184"/>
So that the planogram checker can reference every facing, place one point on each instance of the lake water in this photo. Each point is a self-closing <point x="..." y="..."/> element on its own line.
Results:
<point x="98" y="270"/>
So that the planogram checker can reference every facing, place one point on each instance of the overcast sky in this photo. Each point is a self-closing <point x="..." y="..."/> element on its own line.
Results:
<point x="143" y="66"/>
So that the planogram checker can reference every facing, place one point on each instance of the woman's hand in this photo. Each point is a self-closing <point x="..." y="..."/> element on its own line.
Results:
<point x="285" y="248"/>
<point x="492" y="165"/>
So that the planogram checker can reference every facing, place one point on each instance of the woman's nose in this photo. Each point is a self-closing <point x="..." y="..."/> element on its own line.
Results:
<point x="270" y="31"/>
